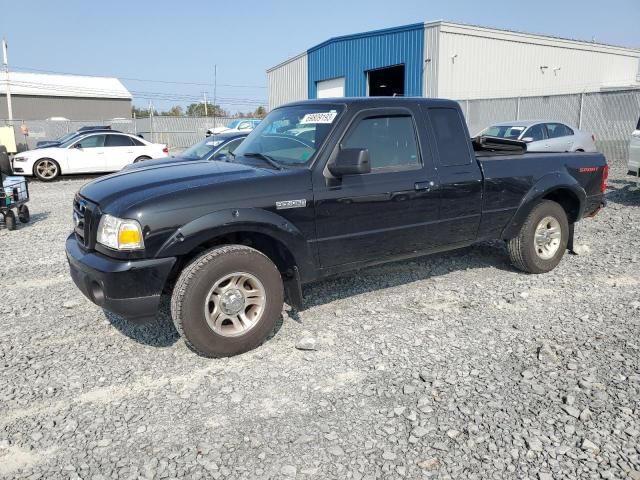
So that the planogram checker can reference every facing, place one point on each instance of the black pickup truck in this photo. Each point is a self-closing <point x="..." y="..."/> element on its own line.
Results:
<point x="319" y="187"/>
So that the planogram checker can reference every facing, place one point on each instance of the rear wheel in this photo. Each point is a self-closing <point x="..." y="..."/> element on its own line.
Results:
<point x="141" y="159"/>
<point x="227" y="301"/>
<point x="23" y="214"/>
<point x="542" y="240"/>
<point x="46" y="169"/>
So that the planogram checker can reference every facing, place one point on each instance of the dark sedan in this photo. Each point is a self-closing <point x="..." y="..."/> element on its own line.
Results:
<point x="215" y="147"/>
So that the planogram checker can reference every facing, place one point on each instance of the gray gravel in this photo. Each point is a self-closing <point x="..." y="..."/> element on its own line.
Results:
<point x="451" y="366"/>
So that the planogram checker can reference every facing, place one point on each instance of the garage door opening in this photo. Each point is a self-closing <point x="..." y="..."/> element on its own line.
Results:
<point x="387" y="82"/>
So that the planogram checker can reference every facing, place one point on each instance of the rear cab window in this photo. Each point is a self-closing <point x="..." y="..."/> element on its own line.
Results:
<point x="450" y="134"/>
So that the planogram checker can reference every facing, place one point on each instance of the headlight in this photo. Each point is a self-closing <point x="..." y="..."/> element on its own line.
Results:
<point x="120" y="234"/>
<point x="19" y="159"/>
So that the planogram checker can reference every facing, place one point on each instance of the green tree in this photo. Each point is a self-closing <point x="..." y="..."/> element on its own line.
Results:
<point x="139" y="112"/>
<point x="260" y="112"/>
<point x="197" y="110"/>
<point x="175" y="111"/>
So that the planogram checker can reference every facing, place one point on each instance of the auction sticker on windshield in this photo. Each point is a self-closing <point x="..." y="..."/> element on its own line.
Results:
<point x="320" y="117"/>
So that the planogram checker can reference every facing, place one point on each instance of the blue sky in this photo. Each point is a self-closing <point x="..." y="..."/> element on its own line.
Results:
<point x="169" y="41"/>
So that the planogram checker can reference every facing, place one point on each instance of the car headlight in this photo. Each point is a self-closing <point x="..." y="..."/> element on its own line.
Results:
<point x="19" y="159"/>
<point x="119" y="233"/>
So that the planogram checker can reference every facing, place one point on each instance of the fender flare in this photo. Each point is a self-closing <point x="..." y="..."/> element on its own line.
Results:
<point x="248" y="220"/>
<point x="543" y="187"/>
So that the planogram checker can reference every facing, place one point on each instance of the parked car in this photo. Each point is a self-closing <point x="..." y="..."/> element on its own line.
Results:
<point x="77" y="133"/>
<point x="634" y="152"/>
<point x="238" y="125"/>
<point x="385" y="179"/>
<point x="215" y="147"/>
<point x="544" y="136"/>
<point x="94" y="152"/>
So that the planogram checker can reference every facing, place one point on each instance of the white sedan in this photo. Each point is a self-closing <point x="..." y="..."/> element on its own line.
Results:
<point x="544" y="136"/>
<point x="92" y="153"/>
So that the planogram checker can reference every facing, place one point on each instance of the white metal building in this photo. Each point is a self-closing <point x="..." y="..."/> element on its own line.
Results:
<point x="449" y="60"/>
<point x="37" y="96"/>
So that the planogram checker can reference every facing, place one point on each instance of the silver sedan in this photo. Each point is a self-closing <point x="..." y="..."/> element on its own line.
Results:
<point x="544" y="136"/>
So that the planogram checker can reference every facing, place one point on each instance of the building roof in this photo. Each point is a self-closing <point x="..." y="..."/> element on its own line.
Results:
<point x="468" y="28"/>
<point x="50" y="85"/>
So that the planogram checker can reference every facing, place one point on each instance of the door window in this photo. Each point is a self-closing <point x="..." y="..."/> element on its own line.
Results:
<point x="536" y="132"/>
<point x="557" y="130"/>
<point x="118" y="141"/>
<point x="94" y="141"/>
<point x="450" y="136"/>
<point x="391" y="141"/>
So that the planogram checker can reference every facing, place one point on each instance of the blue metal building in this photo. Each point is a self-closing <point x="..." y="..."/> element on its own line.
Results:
<point x="451" y="60"/>
<point x="354" y="57"/>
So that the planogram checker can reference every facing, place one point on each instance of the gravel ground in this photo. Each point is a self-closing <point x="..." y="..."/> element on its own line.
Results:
<point x="451" y="366"/>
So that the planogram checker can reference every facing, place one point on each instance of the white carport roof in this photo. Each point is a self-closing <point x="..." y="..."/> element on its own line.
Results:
<point x="50" y="85"/>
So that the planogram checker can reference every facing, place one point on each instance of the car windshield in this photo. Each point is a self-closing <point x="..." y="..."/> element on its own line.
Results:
<point x="203" y="148"/>
<point x="233" y="123"/>
<point x="291" y="135"/>
<point x="504" y="131"/>
<point x="66" y="137"/>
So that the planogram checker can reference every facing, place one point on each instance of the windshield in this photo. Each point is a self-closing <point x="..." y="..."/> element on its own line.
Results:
<point x="504" y="131"/>
<point x="202" y="149"/>
<point x="291" y="135"/>
<point x="66" y="137"/>
<point x="233" y="124"/>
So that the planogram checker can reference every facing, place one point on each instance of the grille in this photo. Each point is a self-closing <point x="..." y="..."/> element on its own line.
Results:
<point x="82" y="211"/>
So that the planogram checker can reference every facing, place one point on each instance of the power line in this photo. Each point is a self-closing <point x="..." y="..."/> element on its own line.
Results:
<point x="30" y="69"/>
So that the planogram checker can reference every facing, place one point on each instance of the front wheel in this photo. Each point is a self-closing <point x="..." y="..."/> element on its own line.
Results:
<point x="141" y="159"/>
<point x="542" y="240"/>
<point x="227" y="301"/>
<point x="9" y="220"/>
<point x="46" y="169"/>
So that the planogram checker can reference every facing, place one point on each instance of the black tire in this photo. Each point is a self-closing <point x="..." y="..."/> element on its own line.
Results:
<point x="522" y="249"/>
<point x="141" y="159"/>
<point x="10" y="220"/>
<point x="23" y="214"/>
<point x="194" y="284"/>
<point x="46" y="178"/>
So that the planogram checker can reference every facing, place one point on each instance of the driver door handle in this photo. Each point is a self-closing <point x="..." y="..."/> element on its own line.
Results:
<point x="424" y="186"/>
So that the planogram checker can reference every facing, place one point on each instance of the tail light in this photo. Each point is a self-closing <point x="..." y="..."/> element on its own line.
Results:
<point x="604" y="179"/>
<point x="165" y="149"/>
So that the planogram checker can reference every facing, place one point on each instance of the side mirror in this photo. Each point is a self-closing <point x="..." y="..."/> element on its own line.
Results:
<point x="77" y="145"/>
<point x="351" y="161"/>
<point x="527" y="139"/>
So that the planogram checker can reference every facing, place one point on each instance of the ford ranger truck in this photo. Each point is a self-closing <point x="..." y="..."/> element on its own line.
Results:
<point x="320" y="187"/>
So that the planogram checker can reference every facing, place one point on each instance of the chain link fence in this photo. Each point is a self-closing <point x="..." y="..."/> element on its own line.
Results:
<point x="177" y="132"/>
<point x="609" y="116"/>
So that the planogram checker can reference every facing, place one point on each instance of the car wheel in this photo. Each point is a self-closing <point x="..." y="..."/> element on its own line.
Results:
<point x="10" y="220"/>
<point x="141" y="159"/>
<point x="227" y="301"/>
<point x="23" y="214"/>
<point x="542" y="240"/>
<point x="46" y="169"/>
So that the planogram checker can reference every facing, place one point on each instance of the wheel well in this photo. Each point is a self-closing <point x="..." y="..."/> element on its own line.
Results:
<point x="567" y="200"/>
<point x="277" y="251"/>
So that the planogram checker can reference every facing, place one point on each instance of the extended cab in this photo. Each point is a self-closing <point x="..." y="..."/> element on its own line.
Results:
<point x="376" y="180"/>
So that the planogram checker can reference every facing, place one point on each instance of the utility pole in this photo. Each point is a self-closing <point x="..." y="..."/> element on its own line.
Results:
<point x="5" y="62"/>
<point x="215" y="84"/>
<point x="206" y="112"/>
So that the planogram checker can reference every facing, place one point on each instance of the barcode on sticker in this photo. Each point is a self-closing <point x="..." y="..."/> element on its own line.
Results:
<point x="321" y="117"/>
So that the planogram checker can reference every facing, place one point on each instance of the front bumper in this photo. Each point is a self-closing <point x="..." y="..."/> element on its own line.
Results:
<point x="129" y="288"/>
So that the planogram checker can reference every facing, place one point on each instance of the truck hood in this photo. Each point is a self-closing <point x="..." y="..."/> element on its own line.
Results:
<point x="128" y="187"/>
